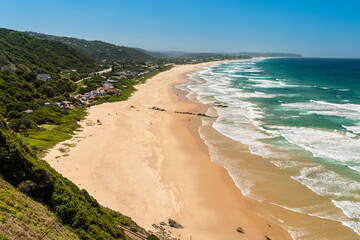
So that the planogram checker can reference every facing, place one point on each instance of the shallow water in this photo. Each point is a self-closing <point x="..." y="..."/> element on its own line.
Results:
<point x="288" y="131"/>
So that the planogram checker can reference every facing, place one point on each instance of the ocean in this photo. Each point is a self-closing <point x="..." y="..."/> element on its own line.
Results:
<point x="288" y="132"/>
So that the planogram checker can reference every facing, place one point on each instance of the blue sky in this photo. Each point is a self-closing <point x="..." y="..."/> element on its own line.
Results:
<point x="314" y="28"/>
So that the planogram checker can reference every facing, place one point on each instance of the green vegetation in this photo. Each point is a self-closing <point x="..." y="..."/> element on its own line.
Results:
<point x="74" y="208"/>
<point x="152" y="237"/>
<point x="47" y="136"/>
<point x="20" y="50"/>
<point x="36" y="109"/>
<point x="23" y="218"/>
<point x="32" y="107"/>
<point x="98" y="50"/>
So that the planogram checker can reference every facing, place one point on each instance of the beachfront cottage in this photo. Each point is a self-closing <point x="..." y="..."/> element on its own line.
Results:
<point x="43" y="77"/>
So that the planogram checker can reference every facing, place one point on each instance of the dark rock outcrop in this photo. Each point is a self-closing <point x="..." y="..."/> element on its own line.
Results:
<point x="220" y="105"/>
<point x="157" y="109"/>
<point x="174" y="224"/>
<point x="190" y="113"/>
<point x="240" y="230"/>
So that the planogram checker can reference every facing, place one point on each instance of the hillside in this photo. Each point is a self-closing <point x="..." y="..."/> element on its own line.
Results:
<point x="18" y="49"/>
<point x="23" y="218"/>
<point x="98" y="50"/>
<point x="271" y="54"/>
<point x="74" y="208"/>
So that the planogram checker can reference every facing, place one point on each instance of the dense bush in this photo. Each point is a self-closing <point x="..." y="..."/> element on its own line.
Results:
<point x="152" y="237"/>
<point x="30" y="53"/>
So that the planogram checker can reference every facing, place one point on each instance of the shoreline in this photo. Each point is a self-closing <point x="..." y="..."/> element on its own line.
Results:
<point x="150" y="174"/>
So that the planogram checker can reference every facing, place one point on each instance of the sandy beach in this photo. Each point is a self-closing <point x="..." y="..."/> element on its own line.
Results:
<point x="152" y="165"/>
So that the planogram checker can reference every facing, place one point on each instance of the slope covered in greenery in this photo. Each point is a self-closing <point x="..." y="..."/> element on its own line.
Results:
<point x="75" y="208"/>
<point x="23" y="218"/>
<point x="99" y="50"/>
<point x="20" y="91"/>
<point x="22" y="56"/>
<point x="21" y="50"/>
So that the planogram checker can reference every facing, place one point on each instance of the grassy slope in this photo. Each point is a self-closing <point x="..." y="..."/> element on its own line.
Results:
<point x="49" y="135"/>
<point x="23" y="218"/>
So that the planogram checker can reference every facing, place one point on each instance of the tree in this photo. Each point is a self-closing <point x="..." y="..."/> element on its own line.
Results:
<point x="48" y="91"/>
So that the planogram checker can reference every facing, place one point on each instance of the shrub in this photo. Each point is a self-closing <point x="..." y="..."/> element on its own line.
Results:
<point x="152" y="237"/>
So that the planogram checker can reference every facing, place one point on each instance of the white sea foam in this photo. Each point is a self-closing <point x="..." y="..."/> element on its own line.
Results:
<point x="328" y="183"/>
<point x="297" y="233"/>
<point x="241" y="124"/>
<point x="355" y="168"/>
<point x="244" y="183"/>
<point x="347" y="110"/>
<point x="319" y="211"/>
<point x="325" y="144"/>
<point x="353" y="129"/>
<point x="350" y="209"/>
<point x="261" y="82"/>
<point x="290" y="164"/>
<point x="342" y="90"/>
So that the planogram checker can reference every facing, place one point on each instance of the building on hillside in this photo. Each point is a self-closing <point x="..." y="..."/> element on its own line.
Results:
<point x="43" y="77"/>
<point x="112" y="81"/>
<point x="27" y="111"/>
<point x="99" y="92"/>
<point x="91" y="98"/>
<point x="108" y="85"/>
<point x="111" y="91"/>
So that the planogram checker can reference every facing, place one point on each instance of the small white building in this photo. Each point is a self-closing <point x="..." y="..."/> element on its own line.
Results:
<point x="43" y="77"/>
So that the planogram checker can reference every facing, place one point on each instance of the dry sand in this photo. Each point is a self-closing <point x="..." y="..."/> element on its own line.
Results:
<point x="153" y="165"/>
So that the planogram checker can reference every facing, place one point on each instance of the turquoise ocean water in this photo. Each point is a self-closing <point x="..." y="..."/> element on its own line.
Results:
<point x="288" y="109"/>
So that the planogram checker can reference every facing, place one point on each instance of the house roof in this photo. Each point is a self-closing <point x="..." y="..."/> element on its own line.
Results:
<point x="27" y="111"/>
<point x="43" y="77"/>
